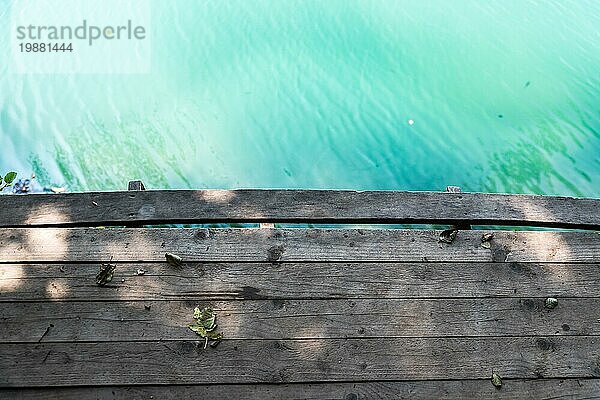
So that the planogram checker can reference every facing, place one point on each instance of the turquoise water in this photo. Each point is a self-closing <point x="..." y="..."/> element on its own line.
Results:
<point x="504" y="96"/>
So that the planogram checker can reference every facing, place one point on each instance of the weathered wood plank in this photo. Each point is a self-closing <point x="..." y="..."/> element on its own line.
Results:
<point x="335" y="206"/>
<point x="247" y="281"/>
<point x="517" y="389"/>
<point x="283" y="245"/>
<point x="297" y="319"/>
<point x="296" y="361"/>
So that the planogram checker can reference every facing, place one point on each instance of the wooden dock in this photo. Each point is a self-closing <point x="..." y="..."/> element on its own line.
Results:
<point x="351" y="312"/>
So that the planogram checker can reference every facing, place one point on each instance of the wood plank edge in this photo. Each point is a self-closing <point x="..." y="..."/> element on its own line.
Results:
<point x="515" y="388"/>
<point x="141" y="222"/>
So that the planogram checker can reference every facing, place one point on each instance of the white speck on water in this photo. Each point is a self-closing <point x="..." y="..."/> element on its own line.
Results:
<point x="411" y="122"/>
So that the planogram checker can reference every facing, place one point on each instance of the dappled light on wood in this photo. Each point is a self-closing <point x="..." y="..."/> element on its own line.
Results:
<point x="57" y="289"/>
<point x="217" y="196"/>
<point x="291" y="245"/>
<point x="311" y="327"/>
<point x="11" y="277"/>
<point x="297" y="305"/>
<point x="530" y="210"/>
<point x="53" y="242"/>
<point x="550" y="246"/>
<point x="304" y="206"/>
<point x="46" y="212"/>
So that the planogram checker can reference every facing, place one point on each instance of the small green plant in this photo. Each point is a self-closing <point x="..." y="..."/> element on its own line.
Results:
<point x="7" y="180"/>
<point x="206" y="323"/>
<point x="106" y="274"/>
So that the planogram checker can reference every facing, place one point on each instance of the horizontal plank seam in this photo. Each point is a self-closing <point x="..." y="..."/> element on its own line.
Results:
<point x="576" y="378"/>
<point x="583" y="378"/>
<point x="507" y="224"/>
<point x="306" y="339"/>
<point x="268" y="299"/>
<point x="221" y="262"/>
<point x="331" y="338"/>
<point x="42" y="264"/>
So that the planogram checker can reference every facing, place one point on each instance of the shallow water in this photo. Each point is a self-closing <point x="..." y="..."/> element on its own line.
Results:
<point x="504" y="95"/>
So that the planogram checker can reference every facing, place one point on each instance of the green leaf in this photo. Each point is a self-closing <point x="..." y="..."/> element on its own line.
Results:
<point x="105" y="274"/>
<point x="214" y="335"/>
<point x="10" y="177"/>
<point x="199" y="329"/>
<point x="496" y="380"/>
<point x="197" y="313"/>
<point x="207" y="319"/>
<point x="206" y="324"/>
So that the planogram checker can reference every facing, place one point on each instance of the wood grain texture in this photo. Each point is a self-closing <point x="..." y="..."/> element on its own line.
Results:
<point x="326" y="206"/>
<point x="297" y="319"/>
<point x="517" y="389"/>
<point x="254" y="281"/>
<point x="285" y="245"/>
<point x="296" y="361"/>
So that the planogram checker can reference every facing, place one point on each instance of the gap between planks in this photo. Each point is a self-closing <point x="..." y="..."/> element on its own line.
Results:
<point x="513" y="389"/>
<point x="305" y="206"/>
